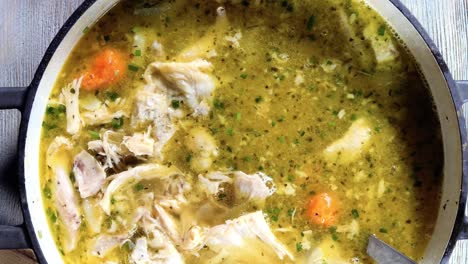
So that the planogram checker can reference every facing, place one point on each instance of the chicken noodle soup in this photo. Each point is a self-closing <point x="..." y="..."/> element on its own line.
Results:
<point x="231" y="131"/>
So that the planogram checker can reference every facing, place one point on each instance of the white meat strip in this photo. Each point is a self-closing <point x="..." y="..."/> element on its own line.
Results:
<point x="140" y="144"/>
<point x="71" y="94"/>
<point x="238" y="231"/>
<point x="142" y="172"/>
<point x="59" y="160"/>
<point x="167" y="224"/>
<point x="89" y="174"/>
<point x="257" y="186"/>
<point x="93" y="215"/>
<point x="348" y="148"/>
<point x="166" y="255"/>
<point x="188" y="79"/>
<point x="105" y="243"/>
<point x="100" y="116"/>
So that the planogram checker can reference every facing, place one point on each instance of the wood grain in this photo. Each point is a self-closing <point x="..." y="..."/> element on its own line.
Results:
<point x="28" y="26"/>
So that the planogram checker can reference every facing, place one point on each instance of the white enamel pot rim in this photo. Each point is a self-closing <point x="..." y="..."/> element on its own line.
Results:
<point x="451" y="220"/>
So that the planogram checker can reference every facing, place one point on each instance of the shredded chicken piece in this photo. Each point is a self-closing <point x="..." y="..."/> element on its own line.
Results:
<point x="237" y="231"/>
<point x="105" y="243"/>
<point x="167" y="255"/>
<point x="140" y="144"/>
<point x="93" y="215"/>
<point x="89" y="174"/>
<point x="109" y="147"/>
<point x="71" y="94"/>
<point x="142" y="172"/>
<point x="100" y="116"/>
<point x="256" y="186"/>
<point x="58" y="159"/>
<point x="188" y="79"/>
<point x="193" y="240"/>
<point x="212" y="182"/>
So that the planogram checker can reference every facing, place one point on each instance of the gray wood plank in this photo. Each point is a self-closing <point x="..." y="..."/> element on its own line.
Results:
<point x="28" y="26"/>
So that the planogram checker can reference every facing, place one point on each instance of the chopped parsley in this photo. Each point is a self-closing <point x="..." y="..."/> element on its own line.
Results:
<point x="381" y="30"/>
<point x="112" y="96"/>
<point x="94" y="134"/>
<point x="137" y="53"/>
<point x="273" y="213"/>
<point x="355" y="213"/>
<point x="138" y="187"/>
<point x="258" y="99"/>
<point x="175" y="104"/>
<point x="133" y="67"/>
<point x="298" y="246"/>
<point x="310" y="23"/>
<point x="47" y="192"/>
<point x="117" y="122"/>
<point x="383" y="230"/>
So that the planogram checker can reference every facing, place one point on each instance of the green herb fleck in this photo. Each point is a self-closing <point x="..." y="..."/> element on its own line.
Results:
<point x="381" y="30"/>
<point x="333" y="232"/>
<point x="112" y="96"/>
<point x="188" y="158"/>
<point x="273" y="213"/>
<point x="291" y="211"/>
<point x="128" y="246"/>
<point x="353" y="117"/>
<point x="72" y="177"/>
<point x="218" y="104"/>
<point x="258" y="99"/>
<point x="175" y="104"/>
<point x="47" y="192"/>
<point x="282" y="139"/>
<point x="117" y="122"/>
<point x="137" y="53"/>
<point x="133" y="67"/>
<point x="230" y="132"/>
<point x="94" y="134"/>
<point x="85" y="30"/>
<point x="243" y="75"/>
<point x="238" y="116"/>
<point x="138" y="187"/>
<point x="113" y="200"/>
<point x="355" y="213"/>
<point x="299" y="247"/>
<point x="51" y="214"/>
<point x="310" y="23"/>
<point x="383" y="230"/>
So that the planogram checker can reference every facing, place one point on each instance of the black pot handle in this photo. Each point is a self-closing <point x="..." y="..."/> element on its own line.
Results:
<point x="13" y="237"/>
<point x="463" y="91"/>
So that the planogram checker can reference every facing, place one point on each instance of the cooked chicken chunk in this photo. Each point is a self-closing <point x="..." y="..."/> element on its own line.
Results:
<point x="187" y="79"/>
<point x="140" y="144"/>
<point x="100" y="116"/>
<point x="71" y="93"/>
<point x="166" y="255"/>
<point x="239" y="231"/>
<point x="142" y="172"/>
<point x="89" y="174"/>
<point x="256" y="186"/>
<point x="105" y="243"/>
<point x="108" y="147"/>
<point x="351" y="144"/>
<point x="212" y="181"/>
<point x="58" y="159"/>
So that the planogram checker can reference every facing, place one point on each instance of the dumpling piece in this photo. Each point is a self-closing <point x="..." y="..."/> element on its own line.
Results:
<point x="58" y="159"/>
<point x="239" y="232"/>
<point x="204" y="148"/>
<point x="187" y="79"/>
<point x="348" y="148"/>
<point x="154" y="107"/>
<point x="89" y="174"/>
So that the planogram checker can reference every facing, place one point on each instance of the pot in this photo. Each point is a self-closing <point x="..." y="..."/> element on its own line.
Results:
<point x="451" y="225"/>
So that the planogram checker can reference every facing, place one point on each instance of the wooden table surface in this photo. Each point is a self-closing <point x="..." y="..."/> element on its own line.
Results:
<point x="28" y="26"/>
